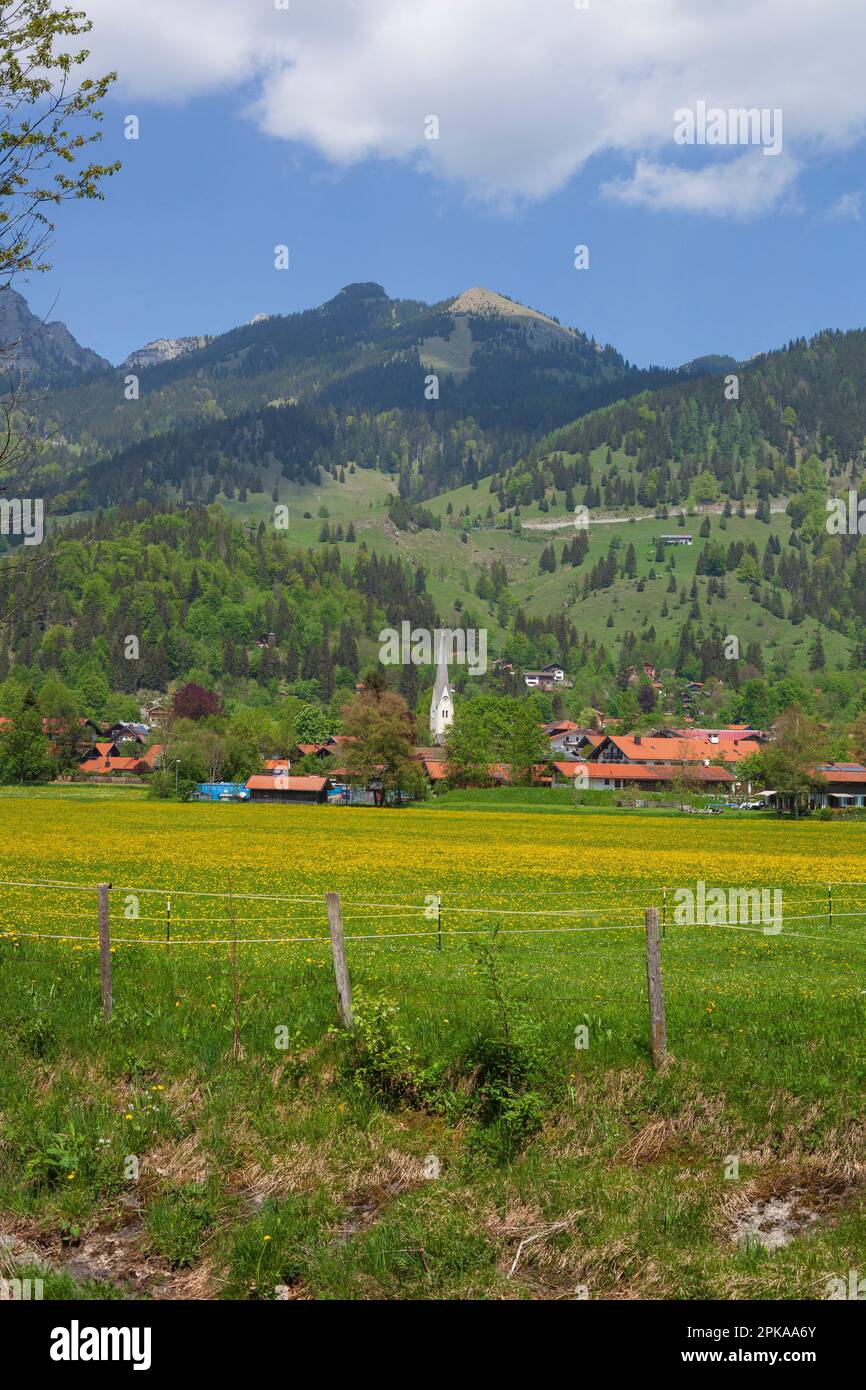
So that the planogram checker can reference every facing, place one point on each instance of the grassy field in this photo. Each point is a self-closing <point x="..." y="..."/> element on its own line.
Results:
<point x="73" y="791"/>
<point x="220" y="1138"/>
<point x="564" y="800"/>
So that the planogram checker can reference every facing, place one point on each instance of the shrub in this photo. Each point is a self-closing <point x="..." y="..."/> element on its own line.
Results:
<point x="378" y="1059"/>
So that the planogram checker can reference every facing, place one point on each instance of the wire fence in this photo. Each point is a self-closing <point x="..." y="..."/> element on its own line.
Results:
<point x="51" y="915"/>
<point x="151" y="949"/>
<point x="29" y="911"/>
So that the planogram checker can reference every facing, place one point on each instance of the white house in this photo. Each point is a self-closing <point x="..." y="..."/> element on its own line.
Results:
<point x="547" y="678"/>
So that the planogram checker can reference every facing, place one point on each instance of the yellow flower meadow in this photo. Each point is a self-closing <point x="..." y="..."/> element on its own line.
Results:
<point x="260" y="873"/>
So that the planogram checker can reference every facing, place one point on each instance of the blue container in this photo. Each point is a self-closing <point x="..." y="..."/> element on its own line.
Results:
<point x="222" y="791"/>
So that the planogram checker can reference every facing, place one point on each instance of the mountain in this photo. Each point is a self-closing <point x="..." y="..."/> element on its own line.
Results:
<point x="355" y="348"/>
<point x="27" y="344"/>
<point x="513" y="371"/>
<point x="474" y="489"/>
<point x="538" y="330"/>
<point x="162" y="350"/>
<point x="488" y="304"/>
<point x="714" y="364"/>
<point x="435" y="397"/>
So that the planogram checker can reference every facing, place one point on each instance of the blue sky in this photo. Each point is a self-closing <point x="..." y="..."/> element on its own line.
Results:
<point x="709" y="251"/>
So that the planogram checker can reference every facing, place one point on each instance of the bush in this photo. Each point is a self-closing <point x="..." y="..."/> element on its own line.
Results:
<point x="161" y="787"/>
<point x="495" y="1081"/>
<point x="378" y="1059"/>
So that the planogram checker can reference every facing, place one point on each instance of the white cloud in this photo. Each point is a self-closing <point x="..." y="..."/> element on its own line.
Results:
<point x="526" y="91"/>
<point x="848" y="207"/>
<point x="742" y="187"/>
<point x="168" y="50"/>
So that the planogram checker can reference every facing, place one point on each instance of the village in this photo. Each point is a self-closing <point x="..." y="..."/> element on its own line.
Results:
<point x="677" y="763"/>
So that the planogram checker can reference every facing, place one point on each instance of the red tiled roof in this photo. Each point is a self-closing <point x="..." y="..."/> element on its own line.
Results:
<point x="681" y="750"/>
<point x="150" y="758"/>
<point x="854" y="773"/>
<point x="498" y="772"/>
<point x="640" y="772"/>
<point x="95" y="766"/>
<point x="262" y="782"/>
<point x="733" y="733"/>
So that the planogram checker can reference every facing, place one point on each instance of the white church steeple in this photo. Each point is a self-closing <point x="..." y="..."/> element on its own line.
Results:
<point x="442" y="704"/>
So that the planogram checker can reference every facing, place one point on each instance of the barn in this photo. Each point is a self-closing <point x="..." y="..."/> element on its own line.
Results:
<point x="288" y="790"/>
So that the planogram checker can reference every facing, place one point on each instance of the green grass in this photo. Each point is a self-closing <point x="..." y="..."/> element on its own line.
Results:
<point x="558" y="800"/>
<point x="300" y="1158"/>
<point x="345" y="502"/>
<point x="74" y="792"/>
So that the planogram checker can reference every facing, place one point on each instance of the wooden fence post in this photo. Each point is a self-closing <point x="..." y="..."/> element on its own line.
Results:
<point x="105" y="951"/>
<point x="338" y="951"/>
<point x="658" y="1037"/>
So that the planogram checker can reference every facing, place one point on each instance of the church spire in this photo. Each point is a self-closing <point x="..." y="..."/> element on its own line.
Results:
<point x="442" y="703"/>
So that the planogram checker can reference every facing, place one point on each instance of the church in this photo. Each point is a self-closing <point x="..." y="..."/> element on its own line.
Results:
<point x="442" y="703"/>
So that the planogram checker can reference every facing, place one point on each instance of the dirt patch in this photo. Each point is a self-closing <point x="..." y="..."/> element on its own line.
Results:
<point x="365" y="1210"/>
<point x="775" y="1209"/>
<point x="108" y="1257"/>
<point x="774" y="1221"/>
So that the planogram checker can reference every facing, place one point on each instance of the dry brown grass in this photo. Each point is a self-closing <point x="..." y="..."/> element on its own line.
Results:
<point x="176" y="1163"/>
<point x="696" y="1122"/>
<point x="308" y="1167"/>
